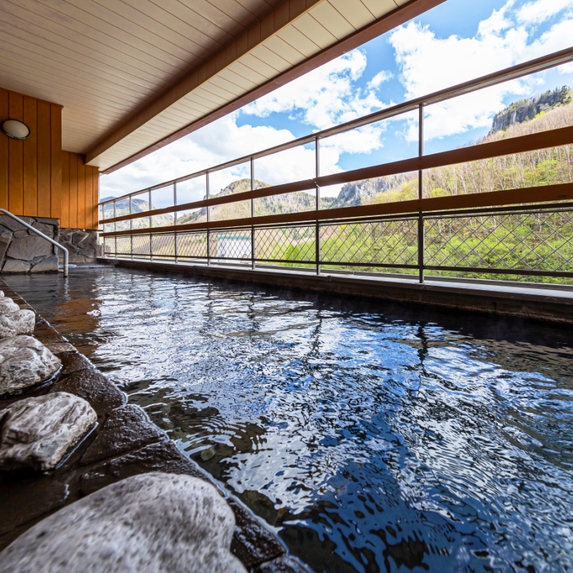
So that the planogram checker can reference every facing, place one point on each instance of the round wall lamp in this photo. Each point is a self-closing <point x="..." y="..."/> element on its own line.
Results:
<point x="15" y="129"/>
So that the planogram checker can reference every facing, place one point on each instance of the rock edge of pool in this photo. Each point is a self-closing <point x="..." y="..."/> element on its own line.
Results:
<point x="122" y="447"/>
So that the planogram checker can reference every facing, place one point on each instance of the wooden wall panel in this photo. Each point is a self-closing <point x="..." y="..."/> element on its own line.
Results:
<point x="37" y="178"/>
<point x="56" y="161"/>
<point x="65" y="199"/>
<point x="31" y="157"/>
<point x="16" y="158"/>
<point x="44" y="162"/>
<point x="73" y="190"/>
<point x="79" y="193"/>
<point x="4" y="159"/>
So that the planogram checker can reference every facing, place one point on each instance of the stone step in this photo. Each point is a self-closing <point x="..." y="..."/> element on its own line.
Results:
<point x="13" y="319"/>
<point x="38" y="433"/>
<point x="24" y="363"/>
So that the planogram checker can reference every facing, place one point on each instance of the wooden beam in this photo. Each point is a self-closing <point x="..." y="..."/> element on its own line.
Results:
<point x="542" y="194"/>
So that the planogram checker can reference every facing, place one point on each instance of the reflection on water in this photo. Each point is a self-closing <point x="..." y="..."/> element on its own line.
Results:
<point x="373" y="438"/>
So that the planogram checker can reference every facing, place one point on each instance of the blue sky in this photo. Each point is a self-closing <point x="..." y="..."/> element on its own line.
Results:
<point x="454" y="42"/>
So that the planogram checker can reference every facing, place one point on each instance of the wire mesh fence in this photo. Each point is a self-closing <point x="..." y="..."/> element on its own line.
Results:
<point x="536" y="242"/>
<point x="527" y="244"/>
<point x="370" y="245"/>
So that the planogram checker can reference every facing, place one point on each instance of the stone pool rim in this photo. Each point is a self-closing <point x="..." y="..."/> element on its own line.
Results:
<point x="27" y="499"/>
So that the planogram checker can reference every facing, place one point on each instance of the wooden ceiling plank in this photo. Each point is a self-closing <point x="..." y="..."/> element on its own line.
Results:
<point x="252" y="75"/>
<point x="189" y="105"/>
<point x="156" y="27"/>
<point x="221" y="83"/>
<point x="74" y="60"/>
<point x="332" y="20"/>
<point x="294" y="37"/>
<point x="210" y="97"/>
<point x="182" y="21"/>
<point x="314" y="30"/>
<point x="380" y="7"/>
<point x="287" y="53"/>
<point x="217" y="92"/>
<point x="79" y="121"/>
<point x="353" y="11"/>
<point x="236" y="79"/>
<point x="232" y="9"/>
<point x="268" y="71"/>
<point x="177" y="115"/>
<point x="60" y="85"/>
<point x="257" y="9"/>
<point x="266" y="54"/>
<point x="225" y="20"/>
<point x="127" y="34"/>
<point x="52" y="33"/>
<point x="47" y="60"/>
<point x="98" y="33"/>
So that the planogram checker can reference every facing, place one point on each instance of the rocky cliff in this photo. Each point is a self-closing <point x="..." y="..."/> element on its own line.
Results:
<point x="527" y="109"/>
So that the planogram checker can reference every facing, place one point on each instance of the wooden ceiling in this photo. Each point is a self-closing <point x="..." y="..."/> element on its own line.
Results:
<point x="133" y="75"/>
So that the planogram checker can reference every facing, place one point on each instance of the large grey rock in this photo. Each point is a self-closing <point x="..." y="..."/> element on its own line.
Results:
<point x="38" y="432"/>
<point x="14" y="266"/>
<point x="46" y="265"/>
<point x="27" y="248"/>
<point x="48" y="230"/>
<point x="19" y="322"/>
<point x="13" y="225"/>
<point x="14" y="320"/>
<point x="4" y="244"/>
<point x="8" y="306"/>
<point x="24" y="362"/>
<point x="149" y="523"/>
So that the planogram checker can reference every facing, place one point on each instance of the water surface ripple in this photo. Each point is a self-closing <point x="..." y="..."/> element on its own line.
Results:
<point x="374" y="438"/>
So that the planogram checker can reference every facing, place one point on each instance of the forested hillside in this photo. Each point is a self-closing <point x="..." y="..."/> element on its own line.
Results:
<point x="542" y="167"/>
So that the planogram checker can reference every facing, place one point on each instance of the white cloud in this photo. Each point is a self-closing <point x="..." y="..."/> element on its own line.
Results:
<point x="497" y="22"/>
<point x="429" y="63"/>
<point x="379" y="79"/>
<point x="540" y="11"/>
<point x="324" y="97"/>
<point x="221" y="141"/>
<point x="558" y="37"/>
<point x="216" y="143"/>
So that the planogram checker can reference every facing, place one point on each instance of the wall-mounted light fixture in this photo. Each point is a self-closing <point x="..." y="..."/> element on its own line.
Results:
<point x="15" y="129"/>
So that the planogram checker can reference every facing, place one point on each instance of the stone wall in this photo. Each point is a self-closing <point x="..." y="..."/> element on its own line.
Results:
<point x="21" y="251"/>
<point x="83" y="245"/>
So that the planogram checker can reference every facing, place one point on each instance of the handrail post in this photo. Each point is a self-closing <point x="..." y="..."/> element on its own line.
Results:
<point x="175" y="253"/>
<point x="421" y="241"/>
<point x="252" y="214"/>
<point x="40" y="234"/>
<point x="131" y="228"/>
<point x="317" y="190"/>
<point x="208" y="219"/>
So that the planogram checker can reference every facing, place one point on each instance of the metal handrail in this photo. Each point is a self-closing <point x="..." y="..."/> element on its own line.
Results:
<point x="40" y="234"/>
<point x="513" y="72"/>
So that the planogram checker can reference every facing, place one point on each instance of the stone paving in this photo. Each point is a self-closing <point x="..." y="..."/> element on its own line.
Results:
<point x="122" y="443"/>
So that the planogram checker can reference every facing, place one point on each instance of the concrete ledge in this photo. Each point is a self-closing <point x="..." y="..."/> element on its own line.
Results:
<point x="539" y="302"/>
